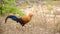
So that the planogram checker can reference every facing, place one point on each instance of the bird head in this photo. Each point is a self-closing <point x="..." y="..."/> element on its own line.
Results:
<point x="30" y="15"/>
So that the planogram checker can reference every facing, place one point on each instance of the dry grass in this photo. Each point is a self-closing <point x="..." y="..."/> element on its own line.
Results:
<point x="43" y="22"/>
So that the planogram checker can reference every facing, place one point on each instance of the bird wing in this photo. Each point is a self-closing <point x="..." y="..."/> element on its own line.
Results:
<point x="25" y="19"/>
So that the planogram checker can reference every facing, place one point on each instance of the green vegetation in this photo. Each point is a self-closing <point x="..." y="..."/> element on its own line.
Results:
<point x="8" y="7"/>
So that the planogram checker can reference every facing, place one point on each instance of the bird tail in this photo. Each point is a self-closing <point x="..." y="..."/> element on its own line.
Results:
<point x="6" y="19"/>
<point x="12" y="17"/>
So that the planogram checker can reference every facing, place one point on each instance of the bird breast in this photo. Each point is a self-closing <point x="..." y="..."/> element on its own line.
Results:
<point x="25" y="19"/>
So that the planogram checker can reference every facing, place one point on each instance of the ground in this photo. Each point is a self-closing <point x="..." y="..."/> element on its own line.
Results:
<point x="43" y="22"/>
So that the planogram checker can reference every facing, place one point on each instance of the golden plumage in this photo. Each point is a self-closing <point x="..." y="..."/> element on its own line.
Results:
<point x="27" y="18"/>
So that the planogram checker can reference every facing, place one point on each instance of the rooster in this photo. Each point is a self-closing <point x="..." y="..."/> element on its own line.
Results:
<point x="22" y="20"/>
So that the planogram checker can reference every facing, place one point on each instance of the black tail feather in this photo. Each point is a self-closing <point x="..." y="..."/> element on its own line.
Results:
<point x="15" y="19"/>
<point x="6" y="19"/>
<point x="12" y="17"/>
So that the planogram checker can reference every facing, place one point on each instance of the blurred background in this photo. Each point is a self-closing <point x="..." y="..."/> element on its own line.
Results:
<point x="46" y="18"/>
